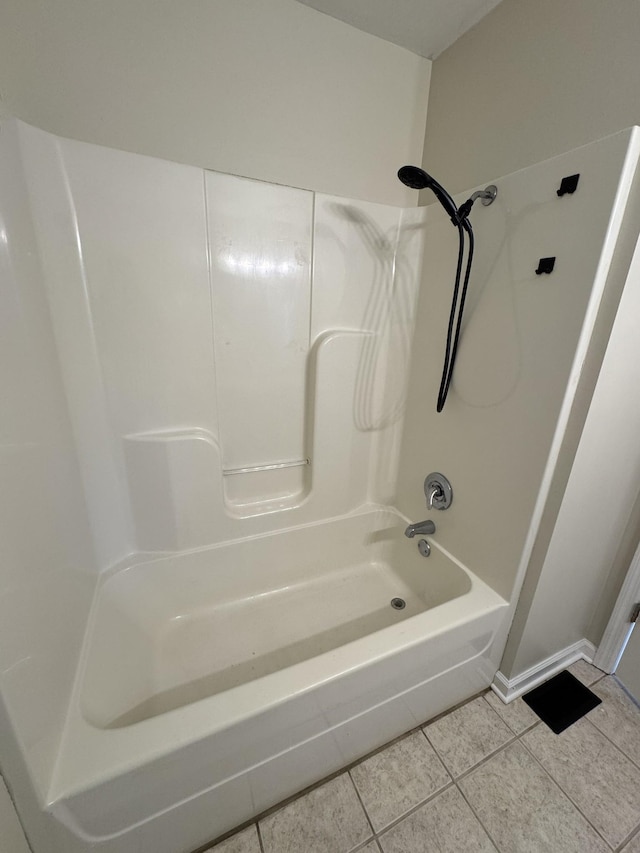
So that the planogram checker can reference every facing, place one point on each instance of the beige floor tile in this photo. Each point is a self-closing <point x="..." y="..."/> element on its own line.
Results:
<point x="618" y="717"/>
<point x="585" y="672"/>
<point x="392" y="782"/>
<point x="523" y="810"/>
<point x="467" y="735"/>
<point x="329" y="819"/>
<point x="633" y="846"/>
<point x="445" y="824"/>
<point x="517" y="714"/>
<point x="242" y="842"/>
<point x="597" y="777"/>
<point x="372" y="847"/>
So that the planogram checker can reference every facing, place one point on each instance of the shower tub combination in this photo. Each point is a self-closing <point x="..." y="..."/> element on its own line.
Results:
<point x="218" y="682"/>
<point x="249" y="646"/>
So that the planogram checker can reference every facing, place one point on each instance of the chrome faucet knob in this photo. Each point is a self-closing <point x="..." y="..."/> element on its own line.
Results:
<point x="438" y="491"/>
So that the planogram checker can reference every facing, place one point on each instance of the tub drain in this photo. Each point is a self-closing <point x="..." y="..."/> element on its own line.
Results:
<point x="398" y="603"/>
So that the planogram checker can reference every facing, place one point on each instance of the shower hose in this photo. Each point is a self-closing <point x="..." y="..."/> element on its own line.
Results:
<point x="457" y="308"/>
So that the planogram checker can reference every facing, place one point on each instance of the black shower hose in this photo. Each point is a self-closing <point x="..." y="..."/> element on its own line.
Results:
<point x="457" y="307"/>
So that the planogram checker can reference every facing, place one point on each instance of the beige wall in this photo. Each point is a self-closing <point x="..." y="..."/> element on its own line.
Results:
<point x="533" y="79"/>
<point x="511" y="396"/>
<point x="269" y="89"/>
<point x="580" y="573"/>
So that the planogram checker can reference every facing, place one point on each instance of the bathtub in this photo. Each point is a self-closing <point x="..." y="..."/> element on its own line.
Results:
<point x="218" y="682"/>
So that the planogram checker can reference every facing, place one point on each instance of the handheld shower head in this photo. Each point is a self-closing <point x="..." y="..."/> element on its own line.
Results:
<point x="414" y="177"/>
<point x="418" y="179"/>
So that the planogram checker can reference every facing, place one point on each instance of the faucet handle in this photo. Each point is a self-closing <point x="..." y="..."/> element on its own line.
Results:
<point x="435" y="495"/>
<point x="438" y="491"/>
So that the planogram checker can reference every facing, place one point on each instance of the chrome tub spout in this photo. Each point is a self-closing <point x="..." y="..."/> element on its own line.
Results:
<point x="420" y="528"/>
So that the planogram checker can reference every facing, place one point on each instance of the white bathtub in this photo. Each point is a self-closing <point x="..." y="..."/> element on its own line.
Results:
<point x="216" y="683"/>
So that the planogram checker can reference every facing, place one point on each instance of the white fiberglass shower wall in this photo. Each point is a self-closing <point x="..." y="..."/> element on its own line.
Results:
<point x="209" y="399"/>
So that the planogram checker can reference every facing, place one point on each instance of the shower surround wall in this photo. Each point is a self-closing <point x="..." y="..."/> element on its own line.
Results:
<point x="248" y="400"/>
<point x="207" y="396"/>
<point x="47" y="565"/>
<point x="523" y="347"/>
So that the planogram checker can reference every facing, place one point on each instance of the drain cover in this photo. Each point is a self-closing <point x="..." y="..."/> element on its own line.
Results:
<point x="398" y="603"/>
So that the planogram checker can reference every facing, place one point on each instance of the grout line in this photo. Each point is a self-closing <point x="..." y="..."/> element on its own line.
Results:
<point x="486" y="759"/>
<point x="364" y="845"/>
<point x="611" y="741"/>
<point x="260" y="841"/>
<point x="626" y="841"/>
<point x="562" y="791"/>
<point x="455" y="707"/>
<point x="608" y="739"/>
<point x="209" y="845"/>
<point x="625" y="691"/>
<point x="437" y="755"/>
<point x="413" y="808"/>
<point x="478" y="818"/>
<point x="633" y="834"/>
<point x="528" y="729"/>
<point x="508" y="725"/>
<point x="392" y="824"/>
<point x="364" y="808"/>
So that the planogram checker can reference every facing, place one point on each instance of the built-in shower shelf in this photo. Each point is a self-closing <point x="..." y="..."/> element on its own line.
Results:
<point x="272" y="466"/>
<point x="272" y="487"/>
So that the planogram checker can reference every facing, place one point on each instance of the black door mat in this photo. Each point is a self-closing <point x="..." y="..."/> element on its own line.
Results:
<point x="561" y="701"/>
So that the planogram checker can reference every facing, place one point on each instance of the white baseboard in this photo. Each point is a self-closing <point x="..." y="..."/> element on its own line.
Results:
<point x="509" y="689"/>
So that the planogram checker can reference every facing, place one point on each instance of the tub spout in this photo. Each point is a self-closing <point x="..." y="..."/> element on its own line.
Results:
<point x="420" y="528"/>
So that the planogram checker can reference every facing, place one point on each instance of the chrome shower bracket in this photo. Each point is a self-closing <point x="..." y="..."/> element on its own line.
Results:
<point x="489" y="195"/>
<point x="438" y="491"/>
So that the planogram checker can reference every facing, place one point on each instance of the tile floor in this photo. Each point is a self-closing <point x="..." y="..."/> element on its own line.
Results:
<point x="484" y="777"/>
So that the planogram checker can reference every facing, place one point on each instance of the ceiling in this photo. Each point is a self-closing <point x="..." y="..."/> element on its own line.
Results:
<point x="425" y="27"/>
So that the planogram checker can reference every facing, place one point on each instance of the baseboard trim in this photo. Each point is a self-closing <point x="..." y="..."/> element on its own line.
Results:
<point x="509" y="689"/>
